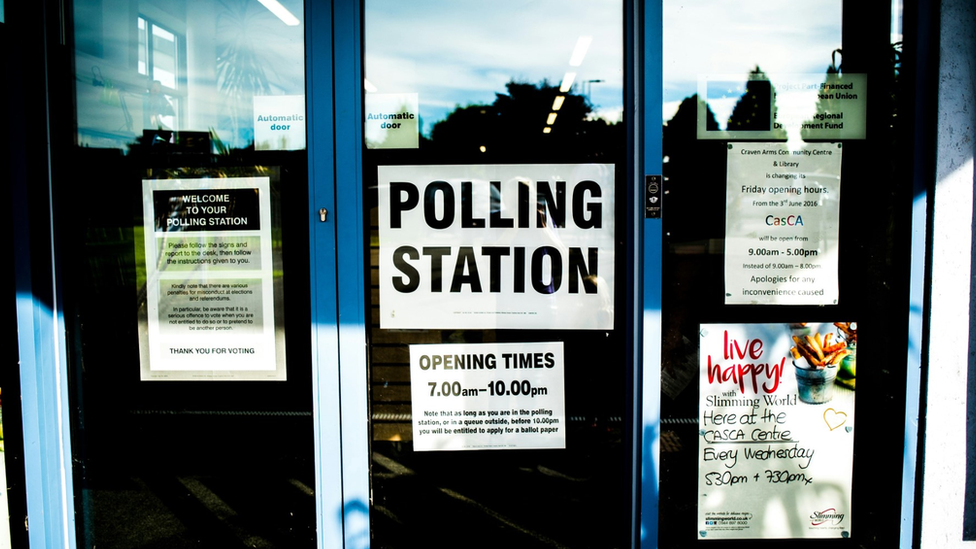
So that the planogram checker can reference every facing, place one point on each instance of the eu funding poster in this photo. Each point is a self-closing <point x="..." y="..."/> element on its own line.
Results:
<point x="209" y="309"/>
<point x="776" y="430"/>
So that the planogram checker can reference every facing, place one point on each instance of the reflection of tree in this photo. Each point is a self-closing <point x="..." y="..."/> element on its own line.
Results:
<point x="826" y="103"/>
<point x="240" y="68"/>
<point x="511" y="128"/>
<point x="756" y="109"/>
<point x="694" y="173"/>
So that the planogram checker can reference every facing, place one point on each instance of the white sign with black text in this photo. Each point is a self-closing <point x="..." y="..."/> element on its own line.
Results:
<point x="209" y="309"/>
<point x="488" y="396"/>
<point x="782" y="224"/>
<point x="496" y="246"/>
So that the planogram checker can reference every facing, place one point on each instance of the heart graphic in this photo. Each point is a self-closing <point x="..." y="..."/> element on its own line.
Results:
<point x="833" y="418"/>
<point x="848" y="428"/>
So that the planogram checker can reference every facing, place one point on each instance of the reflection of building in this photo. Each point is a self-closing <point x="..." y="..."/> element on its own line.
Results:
<point x="94" y="452"/>
<point x="193" y="67"/>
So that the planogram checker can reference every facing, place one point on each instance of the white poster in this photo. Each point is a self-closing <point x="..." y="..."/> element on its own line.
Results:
<point x="209" y="310"/>
<point x="497" y="246"/>
<point x="776" y="430"/>
<point x="392" y="121"/>
<point x="782" y="224"/>
<point x="488" y="396"/>
<point x="784" y="107"/>
<point x="279" y="122"/>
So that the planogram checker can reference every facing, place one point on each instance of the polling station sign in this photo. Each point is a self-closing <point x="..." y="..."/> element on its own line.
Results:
<point x="496" y="246"/>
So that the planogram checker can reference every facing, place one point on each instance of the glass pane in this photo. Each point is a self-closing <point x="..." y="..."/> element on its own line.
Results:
<point x="778" y="120"/>
<point x="495" y="143"/>
<point x="143" y="47"/>
<point x="192" y="421"/>
<point x="164" y="57"/>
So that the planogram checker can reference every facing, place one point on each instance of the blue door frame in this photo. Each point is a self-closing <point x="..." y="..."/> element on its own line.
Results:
<point x="338" y="330"/>
<point x="643" y="93"/>
<point x="334" y="83"/>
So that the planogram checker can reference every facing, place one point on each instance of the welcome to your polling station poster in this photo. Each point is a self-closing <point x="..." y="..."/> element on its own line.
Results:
<point x="209" y="309"/>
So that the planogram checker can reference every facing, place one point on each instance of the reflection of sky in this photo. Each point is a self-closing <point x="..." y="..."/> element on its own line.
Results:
<point x="721" y="37"/>
<point x="459" y="53"/>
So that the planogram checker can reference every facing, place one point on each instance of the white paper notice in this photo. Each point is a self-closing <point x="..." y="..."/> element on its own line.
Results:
<point x="776" y="436"/>
<point x="209" y="309"/>
<point x="781" y="224"/>
<point x="497" y="246"/>
<point x="488" y="396"/>
<point x="786" y="107"/>
<point x="279" y="122"/>
<point x="392" y="121"/>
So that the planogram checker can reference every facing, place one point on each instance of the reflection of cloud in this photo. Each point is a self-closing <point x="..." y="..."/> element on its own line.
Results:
<point x="432" y="49"/>
<point x="720" y="37"/>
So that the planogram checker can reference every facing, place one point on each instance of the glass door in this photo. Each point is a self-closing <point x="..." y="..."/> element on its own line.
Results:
<point x="181" y="195"/>
<point x="496" y="190"/>
<point x="787" y="176"/>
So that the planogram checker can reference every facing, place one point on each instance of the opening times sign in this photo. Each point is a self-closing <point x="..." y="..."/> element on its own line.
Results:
<point x="209" y="291"/>
<point x="488" y="396"/>
<point x="776" y="434"/>
<point x="496" y="246"/>
<point x="782" y="224"/>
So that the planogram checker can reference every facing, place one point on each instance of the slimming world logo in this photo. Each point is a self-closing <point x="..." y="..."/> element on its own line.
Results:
<point x="827" y="515"/>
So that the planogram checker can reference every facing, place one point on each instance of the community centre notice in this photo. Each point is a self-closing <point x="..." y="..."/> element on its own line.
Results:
<point x="209" y="310"/>
<point x="496" y="246"/>
<point x="782" y="224"/>
<point x="776" y="430"/>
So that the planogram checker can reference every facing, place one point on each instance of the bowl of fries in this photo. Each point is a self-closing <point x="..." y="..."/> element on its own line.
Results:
<point x="816" y="359"/>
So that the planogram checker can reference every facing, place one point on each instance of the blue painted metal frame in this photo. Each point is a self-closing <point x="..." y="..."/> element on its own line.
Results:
<point x="348" y="86"/>
<point x="926" y="30"/>
<point x="40" y="335"/>
<point x="652" y="99"/>
<point x="322" y="261"/>
<point x="334" y="96"/>
<point x="40" y="326"/>
<point x="633" y="59"/>
<point x="347" y="56"/>
<point x="347" y="25"/>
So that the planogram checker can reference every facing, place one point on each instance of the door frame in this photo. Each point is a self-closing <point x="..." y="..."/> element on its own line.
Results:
<point x="339" y="323"/>
<point x="333" y="82"/>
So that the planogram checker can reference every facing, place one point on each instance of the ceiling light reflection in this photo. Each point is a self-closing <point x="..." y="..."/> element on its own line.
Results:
<point x="567" y="83"/>
<point x="579" y="52"/>
<point x="557" y="103"/>
<point x="551" y="120"/>
<point x="282" y="12"/>
<point x="547" y="129"/>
